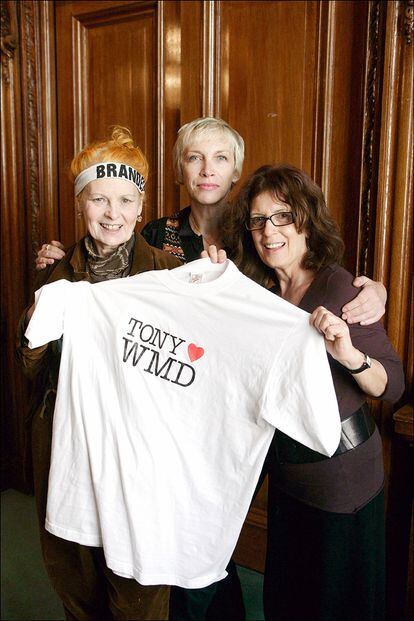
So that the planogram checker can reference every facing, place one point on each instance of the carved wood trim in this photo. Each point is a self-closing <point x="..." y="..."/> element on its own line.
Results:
<point x="8" y="42"/>
<point x="39" y="126"/>
<point x="30" y="78"/>
<point x="14" y="388"/>
<point x="369" y="161"/>
<point x="409" y="21"/>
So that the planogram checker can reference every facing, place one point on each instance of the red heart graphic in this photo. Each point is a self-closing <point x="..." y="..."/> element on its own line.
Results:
<point x="194" y="352"/>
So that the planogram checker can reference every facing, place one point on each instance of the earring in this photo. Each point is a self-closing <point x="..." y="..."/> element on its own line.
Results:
<point x="139" y="218"/>
<point x="79" y="213"/>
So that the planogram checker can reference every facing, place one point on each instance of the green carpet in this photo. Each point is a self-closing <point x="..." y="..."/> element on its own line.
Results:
<point x="26" y="593"/>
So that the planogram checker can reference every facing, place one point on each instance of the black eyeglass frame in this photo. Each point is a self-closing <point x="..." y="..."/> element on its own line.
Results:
<point x="266" y="218"/>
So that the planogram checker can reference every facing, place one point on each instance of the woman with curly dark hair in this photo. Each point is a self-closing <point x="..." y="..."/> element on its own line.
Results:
<point x="325" y="556"/>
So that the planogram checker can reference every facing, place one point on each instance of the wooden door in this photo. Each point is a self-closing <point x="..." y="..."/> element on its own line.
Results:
<point x="115" y="65"/>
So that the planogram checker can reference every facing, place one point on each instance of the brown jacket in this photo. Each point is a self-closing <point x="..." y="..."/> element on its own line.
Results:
<point x="78" y="573"/>
<point x="42" y="363"/>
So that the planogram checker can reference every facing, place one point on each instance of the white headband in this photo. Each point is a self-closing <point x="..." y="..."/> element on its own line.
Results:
<point x="109" y="170"/>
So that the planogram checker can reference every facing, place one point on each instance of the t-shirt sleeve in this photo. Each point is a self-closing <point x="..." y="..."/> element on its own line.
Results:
<point x="299" y="397"/>
<point x="47" y="322"/>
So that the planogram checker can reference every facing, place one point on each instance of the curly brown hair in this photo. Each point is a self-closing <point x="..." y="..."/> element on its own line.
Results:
<point x="294" y="187"/>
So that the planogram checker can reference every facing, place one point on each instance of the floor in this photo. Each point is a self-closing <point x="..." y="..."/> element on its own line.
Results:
<point x="26" y="594"/>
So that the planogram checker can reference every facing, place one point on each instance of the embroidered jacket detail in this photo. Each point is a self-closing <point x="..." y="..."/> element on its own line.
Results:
<point x="172" y="242"/>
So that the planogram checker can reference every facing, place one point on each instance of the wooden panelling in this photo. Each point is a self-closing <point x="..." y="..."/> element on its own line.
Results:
<point x="39" y="129"/>
<point x="123" y="60"/>
<point x="393" y="258"/>
<point x="267" y="80"/>
<point x="266" y="90"/>
<point x="170" y="62"/>
<point x="191" y="105"/>
<point x="324" y="85"/>
<point x="394" y="242"/>
<point x="393" y="264"/>
<point x="251" y="547"/>
<point x="374" y="45"/>
<point x="11" y="194"/>
<point x="29" y="196"/>
<point x="338" y="160"/>
<point x="107" y="74"/>
<point x="13" y="252"/>
<point x="285" y="91"/>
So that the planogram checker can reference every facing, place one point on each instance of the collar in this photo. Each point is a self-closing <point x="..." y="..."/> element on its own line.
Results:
<point x="78" y="262"/>
<point x="185" y="229"/>
<point x="142" y="258"/>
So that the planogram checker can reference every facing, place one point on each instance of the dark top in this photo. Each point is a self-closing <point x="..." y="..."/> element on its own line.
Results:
<point x="346" y="482"/>
<point x="157" y="232"/>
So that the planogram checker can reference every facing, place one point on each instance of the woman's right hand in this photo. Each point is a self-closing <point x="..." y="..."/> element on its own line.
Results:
<point x="215" y="255"/>
<point x="49" y="253"/>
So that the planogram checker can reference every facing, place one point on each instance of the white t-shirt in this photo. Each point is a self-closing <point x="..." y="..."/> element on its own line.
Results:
<point x="171" y="384"/>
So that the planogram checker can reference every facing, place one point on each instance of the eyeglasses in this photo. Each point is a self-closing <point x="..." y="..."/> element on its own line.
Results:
<point x="282" y="218"/>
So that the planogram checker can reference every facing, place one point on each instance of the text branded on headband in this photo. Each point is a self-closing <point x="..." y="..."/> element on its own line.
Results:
<point x="109" y="170"/>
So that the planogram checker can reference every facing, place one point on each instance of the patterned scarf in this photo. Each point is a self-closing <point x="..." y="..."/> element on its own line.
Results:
<point x="116" y="265"/>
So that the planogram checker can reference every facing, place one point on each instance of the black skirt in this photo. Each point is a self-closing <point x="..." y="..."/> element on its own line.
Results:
<point x="324" y="566"/>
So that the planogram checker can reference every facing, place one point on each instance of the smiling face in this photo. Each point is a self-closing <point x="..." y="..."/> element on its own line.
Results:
<point x="280" y="247"/>
<point x="110" y="209"/>
<point x="208" y="168"/>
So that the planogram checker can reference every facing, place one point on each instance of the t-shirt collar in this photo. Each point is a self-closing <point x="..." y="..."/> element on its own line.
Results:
<point x="200" y="278"/>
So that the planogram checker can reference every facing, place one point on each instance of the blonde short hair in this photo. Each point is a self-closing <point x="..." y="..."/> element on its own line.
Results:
<point x="119" y="148"/>
<point x="201" y="126"/>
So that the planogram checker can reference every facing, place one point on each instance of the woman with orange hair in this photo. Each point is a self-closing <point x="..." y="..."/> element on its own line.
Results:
<point x="109" y="179"/>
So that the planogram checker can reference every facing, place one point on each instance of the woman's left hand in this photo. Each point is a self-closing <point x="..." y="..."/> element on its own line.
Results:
<point x="372" y="381"/>
<point x="369" y="305"/>
<point x="215" y="256"/>
<point x="337" y="338"/>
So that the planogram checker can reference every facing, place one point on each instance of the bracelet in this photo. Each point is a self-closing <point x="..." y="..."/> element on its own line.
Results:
<point x="365" y="365"/>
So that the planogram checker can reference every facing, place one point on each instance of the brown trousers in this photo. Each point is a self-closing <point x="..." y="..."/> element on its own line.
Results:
<point x="88" y="590"/>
